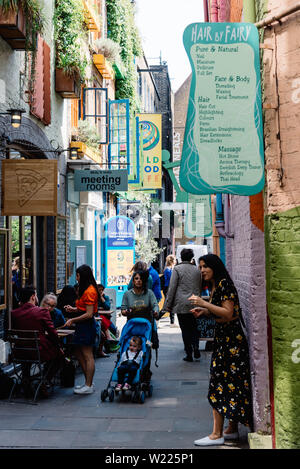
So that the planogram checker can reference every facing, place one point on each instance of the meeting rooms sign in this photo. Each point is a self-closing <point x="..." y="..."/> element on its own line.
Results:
<point x="101" y="180"/>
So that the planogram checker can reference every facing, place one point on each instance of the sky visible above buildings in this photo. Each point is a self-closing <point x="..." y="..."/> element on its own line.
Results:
<point x="161" y="24"/>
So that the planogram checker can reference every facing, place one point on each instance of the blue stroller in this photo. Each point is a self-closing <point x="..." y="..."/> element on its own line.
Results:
<point x="141" y="384"/>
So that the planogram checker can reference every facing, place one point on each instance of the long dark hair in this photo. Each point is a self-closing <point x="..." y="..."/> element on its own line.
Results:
<point x="139" y="266"/>
<point x="144" y="277"/>
<point x="66" y="297"/>
<point x="86" y="279"/>
<point x="219" y="269"/>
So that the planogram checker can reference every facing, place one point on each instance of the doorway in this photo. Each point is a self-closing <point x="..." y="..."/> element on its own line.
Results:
<point x="24" y="255"/>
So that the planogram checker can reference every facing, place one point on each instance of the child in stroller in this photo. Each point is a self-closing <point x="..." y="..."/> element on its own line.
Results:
<point x="139" y="385"/>
<point x="129" y="364"/>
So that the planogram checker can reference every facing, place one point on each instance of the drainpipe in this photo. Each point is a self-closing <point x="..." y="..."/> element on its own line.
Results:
<point x="222" y="219"/>
<point x="249" y="14"/>
<point x="205" y="9"/>
<point x="219" y="13"/>
<point x="214" y="11"/>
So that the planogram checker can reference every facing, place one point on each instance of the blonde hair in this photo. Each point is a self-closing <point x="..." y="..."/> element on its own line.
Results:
<point x="170" y="260"/>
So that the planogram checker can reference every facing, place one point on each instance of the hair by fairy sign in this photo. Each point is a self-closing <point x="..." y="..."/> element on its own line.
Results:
<point x="223" y="142"/>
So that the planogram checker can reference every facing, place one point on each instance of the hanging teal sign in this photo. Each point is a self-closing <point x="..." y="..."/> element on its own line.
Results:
<point x="223" y="141"/>
<point x="198" y="220"/>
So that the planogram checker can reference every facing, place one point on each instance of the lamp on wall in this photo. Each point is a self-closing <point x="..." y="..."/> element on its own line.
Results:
<point x="15" y="116"/>
<point x="73" y="153"/>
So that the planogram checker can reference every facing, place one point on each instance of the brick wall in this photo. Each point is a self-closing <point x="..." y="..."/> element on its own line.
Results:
<point x="283" y="275"/>
<point x="245" y="261"/>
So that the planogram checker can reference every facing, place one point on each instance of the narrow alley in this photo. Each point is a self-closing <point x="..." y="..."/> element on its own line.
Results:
<point x="176" y="414"/>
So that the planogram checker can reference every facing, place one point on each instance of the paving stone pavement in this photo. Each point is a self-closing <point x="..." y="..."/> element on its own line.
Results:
<point x="176" y="414"/>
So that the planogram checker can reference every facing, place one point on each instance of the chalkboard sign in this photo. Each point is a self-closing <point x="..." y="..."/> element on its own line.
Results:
<point x="206" y="327"/>
<point x="61" y="253"/>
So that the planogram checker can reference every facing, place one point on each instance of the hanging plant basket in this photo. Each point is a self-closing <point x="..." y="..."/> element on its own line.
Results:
<point x="66" y="86"/>
<point x="13" y="28"/>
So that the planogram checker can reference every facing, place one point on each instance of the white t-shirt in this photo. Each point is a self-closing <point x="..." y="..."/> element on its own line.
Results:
<point x="128" y="355"/>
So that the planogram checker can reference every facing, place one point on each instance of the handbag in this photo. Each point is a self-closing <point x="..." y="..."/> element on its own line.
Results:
<point x="67" y="374"/>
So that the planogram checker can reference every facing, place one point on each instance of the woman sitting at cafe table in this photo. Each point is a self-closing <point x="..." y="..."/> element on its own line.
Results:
<point x="49" y="302"/>
<point x="85" y="325"/>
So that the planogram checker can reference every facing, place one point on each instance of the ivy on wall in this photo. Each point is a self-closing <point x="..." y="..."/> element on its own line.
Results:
<point x="69" y="35"/>
<point x="121" y="28"/>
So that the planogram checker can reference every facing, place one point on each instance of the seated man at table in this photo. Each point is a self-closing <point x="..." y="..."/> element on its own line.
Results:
<point x="31" y="317"/>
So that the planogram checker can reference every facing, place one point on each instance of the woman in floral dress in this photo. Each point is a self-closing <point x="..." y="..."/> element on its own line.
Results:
<point x="230" y="387"/>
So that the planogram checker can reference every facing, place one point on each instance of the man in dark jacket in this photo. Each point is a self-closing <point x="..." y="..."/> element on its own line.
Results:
<point x="186" y="278"/>
<point x="31" y="317"/>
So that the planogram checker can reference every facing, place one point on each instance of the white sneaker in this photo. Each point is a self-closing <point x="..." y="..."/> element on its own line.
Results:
<point x="208" y="442"/>
<point x="173" y="325"/>
<point x="85" y="390"/>
<point x="231" y="436"/>
<point x="78" y="386"/>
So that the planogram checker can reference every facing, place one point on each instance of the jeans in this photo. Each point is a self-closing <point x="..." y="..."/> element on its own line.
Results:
<point x="128" y="368"/>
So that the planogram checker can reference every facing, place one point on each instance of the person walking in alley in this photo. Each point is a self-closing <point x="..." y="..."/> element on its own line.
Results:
<point x="230" y="386"/>
<point x="185" y="281"/>
<point x="169" y="266"/>
<point x="155" y="282"/>
<point x="139" y="298"/>
<point x="140" y="266"/>
<point x="85" y="325"/>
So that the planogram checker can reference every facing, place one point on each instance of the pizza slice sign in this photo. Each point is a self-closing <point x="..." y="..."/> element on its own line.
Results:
<point x="29" y="183"/>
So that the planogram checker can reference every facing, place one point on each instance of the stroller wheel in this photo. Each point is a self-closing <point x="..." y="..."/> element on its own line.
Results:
<point x="104" y="395"/>
<point x="142" y="397"/>
<point x="150" y="390"/>
<point x="111" y="395"/>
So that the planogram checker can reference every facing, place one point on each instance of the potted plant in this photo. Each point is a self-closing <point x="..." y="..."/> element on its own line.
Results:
<point x="69" y="35"/>
<point x="111" y="50"/>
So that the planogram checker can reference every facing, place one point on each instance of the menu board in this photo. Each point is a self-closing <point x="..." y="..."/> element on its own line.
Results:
<point x="61" y="253"/>
<point x="206" y="327"/>
<point x="223" y="141"/>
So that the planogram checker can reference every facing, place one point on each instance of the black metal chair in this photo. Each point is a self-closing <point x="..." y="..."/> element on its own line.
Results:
<point x="26" y="359"/>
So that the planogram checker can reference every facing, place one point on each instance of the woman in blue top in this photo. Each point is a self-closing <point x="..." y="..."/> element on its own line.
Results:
<point x="170" y="263"/>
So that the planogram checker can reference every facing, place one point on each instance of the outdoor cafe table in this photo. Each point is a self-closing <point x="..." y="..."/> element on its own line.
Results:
<point x="100" y="311"/>
<point x="65" y="332"/>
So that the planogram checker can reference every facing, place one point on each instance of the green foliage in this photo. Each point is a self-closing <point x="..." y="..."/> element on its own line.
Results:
<point x="147" y="249"/>
<point x="69" y="35"/>
<point x="86" y="132"/>
<point x="122" y="29"/>
<point x="109" y="48"/>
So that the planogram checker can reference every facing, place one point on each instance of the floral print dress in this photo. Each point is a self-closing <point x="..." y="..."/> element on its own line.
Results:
<point x="230" y="386"/>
